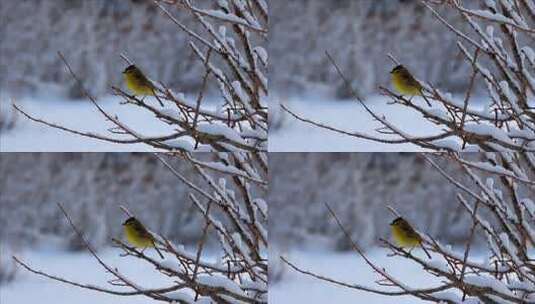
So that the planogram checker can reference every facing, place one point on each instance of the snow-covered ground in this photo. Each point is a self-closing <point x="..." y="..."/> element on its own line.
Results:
<point x="79" y="267"/>
<point x="294" y="288"/>
<point x="29" y="136"/>
<point x="297" y="136"/>
<point x="346" y="267"/>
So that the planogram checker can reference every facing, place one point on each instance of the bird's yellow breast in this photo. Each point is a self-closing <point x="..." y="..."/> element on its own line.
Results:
<point x="136" y="239"/>
<point x="137" y="85"/>
<point x="405" y="86"/>
<point x="404" y="239"/>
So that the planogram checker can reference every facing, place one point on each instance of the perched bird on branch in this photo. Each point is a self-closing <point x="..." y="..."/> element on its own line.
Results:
<point x="138" y="236"/>
<point x="405" y="83"/>
<point x="138" y="83"/>
<point x="405" y="236"/>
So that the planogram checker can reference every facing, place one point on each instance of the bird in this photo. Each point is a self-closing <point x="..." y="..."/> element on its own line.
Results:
<point x="405" y="236"/>
<point x="138" y="83"/>
<point x="405" y="83"/>
<point x="138" y="236"/>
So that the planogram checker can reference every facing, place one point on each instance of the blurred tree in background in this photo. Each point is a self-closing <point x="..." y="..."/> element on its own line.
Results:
<point x="358" y="186"/>
<point x="359" y="34"/>
<point x="91" y="186"/>
<point x="92" y="34"/>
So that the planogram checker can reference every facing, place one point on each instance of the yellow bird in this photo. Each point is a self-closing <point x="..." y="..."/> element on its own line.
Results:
<point x="405" y="236"/>
<point x="405" y="83"/>
<point x="138" y="83"/>
<point x="138" y="236"/>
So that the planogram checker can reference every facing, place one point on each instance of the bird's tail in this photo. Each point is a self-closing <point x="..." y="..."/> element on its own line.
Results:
<point x="157" y="97"/>
<point x="426" y="252"/>
<point x="425" y="98"/>
<point x="158" y="250"/>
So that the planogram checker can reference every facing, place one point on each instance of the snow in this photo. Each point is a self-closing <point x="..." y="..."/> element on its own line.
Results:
<point x="529" y="205"/>
<point x="220" y="130"/>
<point x="448" y="144"/>
<point x="224" y="16"/>
<point x="350" y="116"/>
<point x="29" y="136"/>
<point x="492" y="168"/>
<point x="262" y="205"/>
<point x="80" y="267"/>
<point x="297" y="136"/>
<point x="529" y="53"/>
<point x="491" y="4"/>
<point x="236" y="85"/>
<point x="485" y="281"/>
<point x="346" y="267"/>
<point x="180" y="296"/>
<point x="492" y="16"/>
<point x="440" y="114"/>
<point x="181" y="144"/>
<point x="488" y="130"/>
<point x="262" y="53"/>
<point x="223" y="4"/>
<point x="220" y="281"/>
<point x="440" y="264"/>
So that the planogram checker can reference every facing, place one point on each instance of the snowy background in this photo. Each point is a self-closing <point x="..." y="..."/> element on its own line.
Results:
<point x="346" y="267"/>
<point x="91" y="186"/>
<point x="81" y="267"/>
<point x="359" y="35"/>
<point x="348" y="115"/>
<point x="81" y="115"/>
<point x="91" y="35"/>
<point x="358" y="186"/>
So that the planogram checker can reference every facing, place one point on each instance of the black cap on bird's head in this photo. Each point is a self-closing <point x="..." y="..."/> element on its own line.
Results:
<point x="129" y="220"/>
<point x="397" y="220"/>
<point x="397" y="68"/>
<point x="129" y="68"/>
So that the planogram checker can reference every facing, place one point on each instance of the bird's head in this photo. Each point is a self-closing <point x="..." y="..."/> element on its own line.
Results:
<point x="130" y="68"/>
<point x="397" y="69"/>
<point x="129" y="221"/>
<point x="396" y="221"/>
